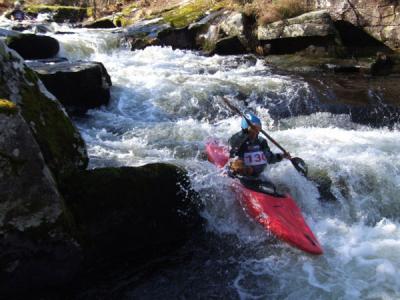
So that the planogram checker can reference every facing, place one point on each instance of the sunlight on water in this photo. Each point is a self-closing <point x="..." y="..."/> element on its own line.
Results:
<point x="163" y="108"/>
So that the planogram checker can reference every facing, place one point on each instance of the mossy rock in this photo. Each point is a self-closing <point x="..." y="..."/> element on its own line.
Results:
<point x="62" y="13"/>
<point x="121" y="21"/>
<point x="128" y="210"/>
<point x="62" y="146"/>
<point x="8" y="107"/>
<point x="56" y="135"/>
<point x="190" y="13"/>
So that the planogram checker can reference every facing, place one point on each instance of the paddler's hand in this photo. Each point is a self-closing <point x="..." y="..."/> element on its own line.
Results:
<point x="237" y="166"/>
<point x="286" y="155"/>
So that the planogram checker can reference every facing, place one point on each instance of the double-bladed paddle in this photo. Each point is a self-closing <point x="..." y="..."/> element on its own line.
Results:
<point x="297" y="162"/>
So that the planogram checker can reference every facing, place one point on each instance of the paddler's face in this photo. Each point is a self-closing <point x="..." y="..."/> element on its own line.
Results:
<point x="254" y="131"/>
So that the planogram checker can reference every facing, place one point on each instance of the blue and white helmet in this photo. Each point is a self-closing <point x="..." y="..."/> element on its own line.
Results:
<point x="253" y="119"/>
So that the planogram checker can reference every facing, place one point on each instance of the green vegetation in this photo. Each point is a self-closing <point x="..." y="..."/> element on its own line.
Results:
<point x="56" y="135"/>
<point x="187" y="14"/>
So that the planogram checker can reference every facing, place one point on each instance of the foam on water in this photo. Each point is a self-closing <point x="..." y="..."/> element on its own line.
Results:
<point x="163" y="108"/>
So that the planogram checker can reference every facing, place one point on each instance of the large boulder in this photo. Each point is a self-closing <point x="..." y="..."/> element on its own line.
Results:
<point x="77" y="85"/>
<point x="379" y="18"/>
<point x="132" y="212"/>
<point x="37" y="250"/>
<point x="296" y="34"/>
<point x="62" y="146"/>
<point x="32" y="46"/>
<point x="181" y="38"/>
<point x="224" y="32"/>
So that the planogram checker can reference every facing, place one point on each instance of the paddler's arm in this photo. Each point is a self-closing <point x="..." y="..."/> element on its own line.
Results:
<point x="272" y="157"/>
<point x="236" y="164"/>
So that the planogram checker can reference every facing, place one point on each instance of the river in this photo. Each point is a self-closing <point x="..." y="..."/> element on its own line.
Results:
<point x="165" y="104"/>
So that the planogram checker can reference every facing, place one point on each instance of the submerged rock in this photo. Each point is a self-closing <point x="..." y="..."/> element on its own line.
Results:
<point x="79" y="85"/>
<point x="132" y="212"/>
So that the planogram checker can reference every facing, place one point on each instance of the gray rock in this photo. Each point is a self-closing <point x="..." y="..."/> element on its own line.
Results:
<point x="31" y="46"/>
<point x="62" y="146"/>
<point x="36" y="248"/>
<point x="314" y="29"/>
<point x="379" y="18"/>
<point x="233" y="25"/>
<point x="77" y="85"/>
<point x="311" y="24"/>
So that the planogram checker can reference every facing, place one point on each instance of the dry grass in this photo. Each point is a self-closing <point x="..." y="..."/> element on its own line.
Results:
<point x="268" y="11"/>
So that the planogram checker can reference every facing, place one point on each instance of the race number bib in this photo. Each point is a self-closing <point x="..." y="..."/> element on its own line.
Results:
<point x="255" y="158"/>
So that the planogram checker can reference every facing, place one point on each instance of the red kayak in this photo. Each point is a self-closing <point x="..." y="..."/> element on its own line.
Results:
<point x="278" y="214"/>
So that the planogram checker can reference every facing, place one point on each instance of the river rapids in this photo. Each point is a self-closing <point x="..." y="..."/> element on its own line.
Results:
<point x="165" y="103"/>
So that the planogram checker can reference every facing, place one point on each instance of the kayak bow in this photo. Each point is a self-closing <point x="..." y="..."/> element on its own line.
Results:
<point x="278" y="214"/>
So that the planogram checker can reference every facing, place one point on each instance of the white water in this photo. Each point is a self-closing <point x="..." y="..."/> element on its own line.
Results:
<point x="163" y="108"/>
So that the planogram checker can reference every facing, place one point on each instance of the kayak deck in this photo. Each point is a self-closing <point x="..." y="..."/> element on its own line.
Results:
<point x="278" y="214"/>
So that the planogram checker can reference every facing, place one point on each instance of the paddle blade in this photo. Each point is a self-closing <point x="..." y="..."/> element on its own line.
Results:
<point x="300" y="165"/>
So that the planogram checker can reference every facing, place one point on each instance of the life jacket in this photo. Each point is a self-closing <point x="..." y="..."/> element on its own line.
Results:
<point x="253" y="153"/>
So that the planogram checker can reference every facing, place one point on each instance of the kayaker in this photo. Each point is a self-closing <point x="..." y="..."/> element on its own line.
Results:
<point x="250" y="153"/>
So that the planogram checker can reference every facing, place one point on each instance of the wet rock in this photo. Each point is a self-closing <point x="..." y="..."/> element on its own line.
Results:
<point x="372" y="101"/>
<point x="37" y="249"/>
<point x="62" y="147"/>
<point x="144" y="33"/>
<point x="223" y="30"/>
<point x="296" y="34"/>
<point x="229" y="46"/>
<point x="132" y="212"/>
<point x="79" y="86"/>
<point x="314" y="64"/>
<point x="181" y="38"/>
<point x="142" y="43"/>
<point x="383" y="64"/>
<point x="100" y="23"/>
<point x="31" y="46"/>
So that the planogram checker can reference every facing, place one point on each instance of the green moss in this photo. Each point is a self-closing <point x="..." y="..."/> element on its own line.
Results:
<point x="128" y="9"/>
<point x="121" y="21"/>
<point x="56" y="135"/>
<point x="8" y="107"/>
<point x="90" y="12"/>
<point x="187" y="14"/>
